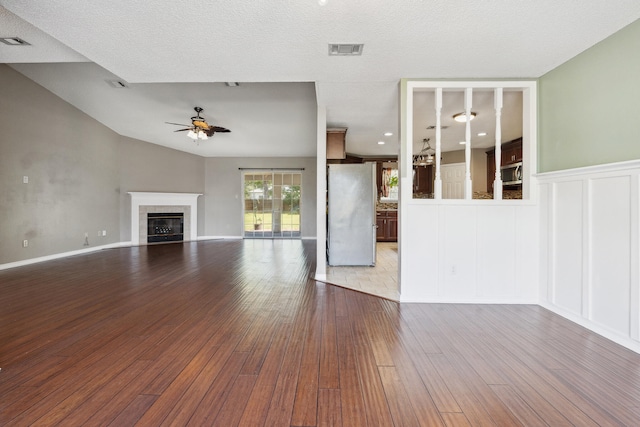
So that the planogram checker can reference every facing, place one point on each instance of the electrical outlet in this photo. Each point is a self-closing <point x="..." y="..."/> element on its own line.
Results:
<point x="25" y="243"/>
<point x="104" y="232"/>
<point x="25" y="179"/>
<point x="86" y="235"/>
<point x="453" y="270"/>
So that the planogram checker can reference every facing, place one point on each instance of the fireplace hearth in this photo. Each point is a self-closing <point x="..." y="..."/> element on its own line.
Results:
<point x="165" y="227"/>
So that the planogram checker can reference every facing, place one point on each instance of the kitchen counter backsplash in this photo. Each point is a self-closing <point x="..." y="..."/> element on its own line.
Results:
<point x="386" y="206"/>
<point x="506" y="195"/>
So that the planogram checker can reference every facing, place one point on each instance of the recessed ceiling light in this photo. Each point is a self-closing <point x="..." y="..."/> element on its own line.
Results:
<point x="14" y="41"/>
<point x="388" y="134"/>
<point x="462" y="142"/>
<point x="380" y="142"/>
<point x="482" y="134"/>
<point x="232" y="84"/>
<point x="118" y="84"/>
<point x="462" y="117"/>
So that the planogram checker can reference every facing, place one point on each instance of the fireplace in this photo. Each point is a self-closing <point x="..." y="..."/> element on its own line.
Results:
<point x="165" y="227"/>
<point x="145" y="205"/>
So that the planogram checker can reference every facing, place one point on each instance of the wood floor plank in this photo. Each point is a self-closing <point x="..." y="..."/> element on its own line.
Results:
<point x="284" y="393"/>
<point x="329" y="377"/>
<point x="305" y="408"/>
<point x="134" y="410"/>
<point x="397" y="398"/>
<point x="92" y="409"/>
<point x="351" y="395"/>
<point x="161" y="335"/>
<point x="211" y="403"/>
<point x="453" y="419"/>
<point x="259" y="401"/>
<point x="374" y="399"/>
<point x="524" y="413"/>
<point x="330" y="411"/>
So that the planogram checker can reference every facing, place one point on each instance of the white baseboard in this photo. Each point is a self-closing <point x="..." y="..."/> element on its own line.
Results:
<point x="219" y="237"/>
<point x="594" y="327"/>
<point x="63" y="255"/>
<point x="452" y="300"/>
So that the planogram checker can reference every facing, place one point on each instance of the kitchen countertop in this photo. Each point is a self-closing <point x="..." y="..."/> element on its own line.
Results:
<point x="387" y="207"/>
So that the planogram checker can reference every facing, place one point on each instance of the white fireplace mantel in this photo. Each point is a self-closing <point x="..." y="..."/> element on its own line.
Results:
<point x="139" y="198"/>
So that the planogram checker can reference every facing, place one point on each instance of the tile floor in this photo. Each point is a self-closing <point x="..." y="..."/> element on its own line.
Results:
<point x="381" y="280"/>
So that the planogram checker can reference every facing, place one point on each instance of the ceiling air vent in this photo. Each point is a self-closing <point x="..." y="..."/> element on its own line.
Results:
<point x="118" y="84"/>
<point x="14" y="41"/>
<point x="345" y="49"/>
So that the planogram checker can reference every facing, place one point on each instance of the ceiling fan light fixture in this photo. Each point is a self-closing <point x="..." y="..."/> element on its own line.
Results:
<point x="199" y="128"/>
<point x="462" y="117"/>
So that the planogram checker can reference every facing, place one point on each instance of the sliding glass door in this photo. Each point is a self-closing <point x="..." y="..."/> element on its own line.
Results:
<point x="272" y="204"/>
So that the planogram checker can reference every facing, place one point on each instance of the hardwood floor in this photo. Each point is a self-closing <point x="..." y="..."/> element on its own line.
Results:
<point x="232" y="333"/>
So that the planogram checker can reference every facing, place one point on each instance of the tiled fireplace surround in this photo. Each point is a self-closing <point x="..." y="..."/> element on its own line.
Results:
<point x="143" y="203"/>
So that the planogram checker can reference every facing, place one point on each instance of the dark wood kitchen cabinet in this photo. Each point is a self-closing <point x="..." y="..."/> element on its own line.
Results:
<point x="423" y="179"/>
<point x="511" y="152"/>
<point x="336" y="143"/>
<point x="387" y="226"/>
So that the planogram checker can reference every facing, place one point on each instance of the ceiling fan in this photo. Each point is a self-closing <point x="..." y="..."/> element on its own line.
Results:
<point x="425" y="156"/>
<point x="199" y="128"/>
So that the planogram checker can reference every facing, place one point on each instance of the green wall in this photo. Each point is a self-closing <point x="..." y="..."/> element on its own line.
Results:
<point x="588" y="106"/>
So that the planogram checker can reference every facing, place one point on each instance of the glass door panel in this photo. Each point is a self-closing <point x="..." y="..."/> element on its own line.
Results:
<point x="272" y="204"/>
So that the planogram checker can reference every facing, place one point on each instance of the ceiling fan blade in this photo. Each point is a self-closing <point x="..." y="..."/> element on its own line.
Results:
<point x="182" y="130"/>
<point x="177" y="124"/>
<point x="219" y="129"/>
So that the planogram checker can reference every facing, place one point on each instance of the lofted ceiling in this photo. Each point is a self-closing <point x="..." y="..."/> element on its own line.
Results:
<point x="177" y="54"/>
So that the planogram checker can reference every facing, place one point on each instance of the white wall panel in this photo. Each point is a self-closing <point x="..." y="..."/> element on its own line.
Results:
<point x="567" y="286"/>
<point x="497" y="251"/>
<point x="527" y="253"/>
<point x="469" y="251"/>
<point x="419" y="280"/>
<point x="458" y="242"/>
<point x="609" y="246"/>
<point x="589" y="221"/>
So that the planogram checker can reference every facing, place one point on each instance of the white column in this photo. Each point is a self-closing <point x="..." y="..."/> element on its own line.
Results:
<point x="321" y="196"/>
<point x="437" y="184"/>
<point x="468" y="194"/>
<point x="497" y="182"/>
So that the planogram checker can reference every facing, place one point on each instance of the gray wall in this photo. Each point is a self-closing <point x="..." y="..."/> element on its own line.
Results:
<point x="588" y="112"/>
<point x="224" y="194"/>
<point x="150" y="167"/>
<point x="72" y="164"/>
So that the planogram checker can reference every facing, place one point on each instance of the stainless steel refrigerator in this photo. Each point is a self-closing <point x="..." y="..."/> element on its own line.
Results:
<point x="352" y="214"/>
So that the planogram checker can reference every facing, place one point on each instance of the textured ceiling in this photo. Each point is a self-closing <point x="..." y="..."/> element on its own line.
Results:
<point x="176" y="42"/>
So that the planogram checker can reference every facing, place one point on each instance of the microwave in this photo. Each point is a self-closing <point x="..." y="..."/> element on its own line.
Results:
<point x="512" y="174"/>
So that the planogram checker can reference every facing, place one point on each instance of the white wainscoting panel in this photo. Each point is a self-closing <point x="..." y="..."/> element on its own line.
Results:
<point x="609" y="252"/>
<point x="497" y="251"/>
<point x="422" y="254"/>
<point x="590" y="260"/>
<point x="470" y="251"/>
<point x="567" y="286"/>
<point x="458" y="246"/>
